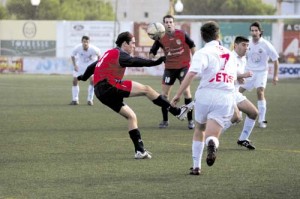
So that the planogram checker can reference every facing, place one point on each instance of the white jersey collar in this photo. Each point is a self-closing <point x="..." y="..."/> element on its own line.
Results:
<point x="212" y="43"/>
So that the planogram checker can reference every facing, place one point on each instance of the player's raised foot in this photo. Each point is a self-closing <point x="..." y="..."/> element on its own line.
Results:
<point x="211" y="153"/>
<point x="263" y="124"/>
<point x="163" y="124"/>
<point x="195" y="171"/>
<point x="246" y="143"/>
<point x="191" y="124"/>
<point x="74" y="103"/>
<point x="90" y="103"/>
<point x="184" y="110"/>
<point x="140" y="155"/>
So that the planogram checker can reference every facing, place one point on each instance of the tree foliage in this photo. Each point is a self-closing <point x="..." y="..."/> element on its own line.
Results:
<point x="227" y="7"/>
<point x="102" y="10"/>
<point x="3" y="13"/>
<point x="60" y="10"/>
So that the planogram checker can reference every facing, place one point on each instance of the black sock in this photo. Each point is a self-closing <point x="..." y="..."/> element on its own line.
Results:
<point x="165" y="114"/>
<point x="137" y="140"/>
<point x="190" y="113"/>
<point x="162" y="102"/>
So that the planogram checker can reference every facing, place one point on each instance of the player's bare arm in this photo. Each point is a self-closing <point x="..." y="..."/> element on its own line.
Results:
<point x="185" y="83"/>
<point x="275" y="76"/>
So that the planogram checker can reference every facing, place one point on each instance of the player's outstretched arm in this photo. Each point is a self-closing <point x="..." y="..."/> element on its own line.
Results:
<point x="88" y="72"/>
<point x="129" y="61"/>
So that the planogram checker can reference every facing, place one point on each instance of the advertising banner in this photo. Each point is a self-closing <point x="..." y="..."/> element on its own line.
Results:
<point x="28" y="38"/>
<point x="229" y="30"/>
<point x="48" y="66"/>
<point x="101" y="33"/>
<point x="291" y="43"/>
<point x="11" y="64"/>
<point x="285" y="71"/>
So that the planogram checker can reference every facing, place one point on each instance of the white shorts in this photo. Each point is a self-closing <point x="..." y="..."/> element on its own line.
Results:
<point x="214" y="104"/>
<point x="259" y="79"/>
<point x="239" y="97"/>
<point x="81" y="70"/>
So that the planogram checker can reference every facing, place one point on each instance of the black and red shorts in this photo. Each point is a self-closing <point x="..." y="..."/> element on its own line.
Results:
<point x="112" y="95"/>
<point x="170" y="75"/>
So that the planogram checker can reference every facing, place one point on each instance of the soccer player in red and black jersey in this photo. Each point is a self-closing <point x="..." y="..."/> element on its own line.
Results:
<point x="178" y="49"/>
<point x="111" y="89"/>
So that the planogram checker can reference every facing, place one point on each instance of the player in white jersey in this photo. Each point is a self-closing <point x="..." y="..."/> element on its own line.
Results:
<point x="82" y="56"/>
<point x="214" y="98"/>
<point x="258" y="55"/>
<point x="240" y="48"/>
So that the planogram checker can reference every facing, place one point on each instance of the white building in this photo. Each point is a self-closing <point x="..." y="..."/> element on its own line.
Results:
<point x="140" y="10"/>
<point x="285" y="7"/>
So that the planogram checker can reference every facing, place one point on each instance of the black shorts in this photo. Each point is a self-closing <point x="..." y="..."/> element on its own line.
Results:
<point x="113" y="95"/>
<point x="170" y="75"/>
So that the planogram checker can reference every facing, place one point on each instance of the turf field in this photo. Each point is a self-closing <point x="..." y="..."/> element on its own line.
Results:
<point x="49" y="149"/>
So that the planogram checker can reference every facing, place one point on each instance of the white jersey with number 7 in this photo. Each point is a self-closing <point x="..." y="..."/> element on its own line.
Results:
<point x="216" y="65"/>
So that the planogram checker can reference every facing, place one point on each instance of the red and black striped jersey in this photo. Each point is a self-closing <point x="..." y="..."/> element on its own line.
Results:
<point x="112" y="65"/>
<point x="176" y="48"/>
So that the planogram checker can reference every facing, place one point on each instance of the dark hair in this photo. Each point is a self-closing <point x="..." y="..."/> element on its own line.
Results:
<point x="240" y="39"/>
<point x="85" y="38"/>
<point x="168" y="16"/>
<point x="210" y="31"/>
<point x="258" y="25"/>
<point x="124" y="36"/>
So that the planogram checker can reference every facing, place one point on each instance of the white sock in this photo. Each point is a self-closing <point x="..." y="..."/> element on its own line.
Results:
<point x="197" y="152"/>
<point x="226" y="126"/>
<point x="241" y="115"/>
<point x="262" y="109"/>
<point x="247" y="129"/>
<point x="90" y="93"/>
<point x="75" y="93"/>
<point x="214" y="139"/>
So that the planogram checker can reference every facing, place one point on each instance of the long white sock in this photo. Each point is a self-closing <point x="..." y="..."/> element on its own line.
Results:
<point x="247" y="129"/>
<point x="75" y="93"/>
<point x="216" y="140"/>
<point x="226" y="126"/>
<point x="197" y="152"/>
<point x="90" y="93"/>
<point x="262" y="109"/>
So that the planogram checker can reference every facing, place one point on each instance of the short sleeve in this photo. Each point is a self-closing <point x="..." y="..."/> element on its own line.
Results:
<point x="74" y="51"/>
<point x="272" y="53"/>
<point x="199" y="62"/>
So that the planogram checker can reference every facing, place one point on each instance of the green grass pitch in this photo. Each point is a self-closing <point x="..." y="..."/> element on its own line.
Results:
<point x="49" y="149"/>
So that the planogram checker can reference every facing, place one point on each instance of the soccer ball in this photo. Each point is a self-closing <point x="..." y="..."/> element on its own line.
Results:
<point x="156" y="30"/>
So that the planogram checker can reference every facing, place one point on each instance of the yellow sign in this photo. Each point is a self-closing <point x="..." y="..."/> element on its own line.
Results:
<point x="27" y="30"/>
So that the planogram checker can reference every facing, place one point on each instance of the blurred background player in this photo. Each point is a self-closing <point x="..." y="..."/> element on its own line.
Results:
<point x="83" y="55"/>
<point x="177" y="47"/>
<point x="240" y="48"/>
<point x="214" y="98"/>
<point x="111" y="89"/>
<point x="258" y="55"/>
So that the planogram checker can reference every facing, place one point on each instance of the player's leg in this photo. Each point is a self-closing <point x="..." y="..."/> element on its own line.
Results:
<point x="90" y="96"/>
<point x="134" y="133"/>
<point x="197" y="148"/>
<point x="75" y="90"/>
<point x="262" y="107"/>
<point x="251" y="114"/>
<point x="138" y="89"/>
<point x="187" y="98"/>
<point x="166" y="89"/>
<point x="241" y="89"/>
<point x="260" y="85"/>
<point x="113" y="98"/>
<point x="168" y="80"/>
<point x="212" y="133"/>
<point x="221" y="111"/>
<point x="236" y="118"/>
